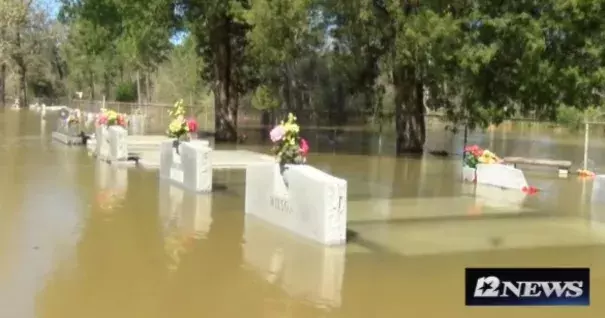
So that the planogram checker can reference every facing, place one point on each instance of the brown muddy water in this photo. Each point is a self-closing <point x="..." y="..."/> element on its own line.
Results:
<point x="80" y="240"/>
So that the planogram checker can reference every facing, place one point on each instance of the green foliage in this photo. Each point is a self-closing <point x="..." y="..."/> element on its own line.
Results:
<point x="126" y="92"/>
<point x="264" y="98"/>
<point x="574" y="119"/>
<point x="478" y="62"/>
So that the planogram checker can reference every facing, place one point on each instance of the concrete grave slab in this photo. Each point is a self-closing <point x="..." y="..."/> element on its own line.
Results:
<point x="304" y="200"/>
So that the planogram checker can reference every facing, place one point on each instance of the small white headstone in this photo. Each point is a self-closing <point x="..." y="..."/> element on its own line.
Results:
<point x="190" y="167"/>
<point x="118" y="146"/>
<point x="501" y="176"/>
<point x="309" y="202"/>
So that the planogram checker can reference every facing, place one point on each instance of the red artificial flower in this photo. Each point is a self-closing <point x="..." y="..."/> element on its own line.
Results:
<point x="102" y="119"/>
<point x="304" y="147"/>
<point x="120" y="120"/>
<point x="530" y="190"/>
<point x="474" y="150"/>
<point x="191" y="125"/>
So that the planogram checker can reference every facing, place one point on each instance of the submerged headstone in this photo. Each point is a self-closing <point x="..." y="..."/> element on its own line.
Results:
<point x="66" y="133"/>
<point x="501" y="176"/>
<point x="188" y="165"/>
<point x="301" y="199"/>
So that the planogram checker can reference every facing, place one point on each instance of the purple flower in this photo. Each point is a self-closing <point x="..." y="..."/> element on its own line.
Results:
<point x="277" y="133"/>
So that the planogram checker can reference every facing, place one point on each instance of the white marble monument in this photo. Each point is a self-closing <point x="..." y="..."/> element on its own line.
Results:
<point x="502" y="176"/>
<point x="111" y="143"/>
<point x="312" y="204"/>
<point x="189" y="167"/>
<point x="304" y="270"/>
<point x="118" y="145"/>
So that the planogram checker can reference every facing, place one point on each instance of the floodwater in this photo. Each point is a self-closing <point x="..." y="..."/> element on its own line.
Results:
<point x="82" y="240"/>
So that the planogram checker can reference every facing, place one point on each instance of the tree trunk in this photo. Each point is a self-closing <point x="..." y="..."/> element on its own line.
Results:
<point x="3" y="84"/>
<point x="266" y="124"/>
<point x="148" y="88"/>
<point x="21" y="71"/>
<point x="23" y="85"/>
<point x="107" y="84"/>
<point x="3" y="75"/>
<point x="409" y="112"/>
<point x="91" y="84"/>
<point x="225" y="119"/>
<point x="225" y="101"/>
<point x="138" y="87"/>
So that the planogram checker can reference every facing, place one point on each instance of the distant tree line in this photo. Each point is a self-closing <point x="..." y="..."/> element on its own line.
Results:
<point x="478" y="62"/>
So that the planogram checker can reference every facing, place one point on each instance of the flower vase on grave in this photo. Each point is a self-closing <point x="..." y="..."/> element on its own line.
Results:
<point x="281" y="179"/>
<point x="176" y="143"/>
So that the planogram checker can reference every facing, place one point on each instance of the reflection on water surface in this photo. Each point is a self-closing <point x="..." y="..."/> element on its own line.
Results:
<point x="83" y="239"/>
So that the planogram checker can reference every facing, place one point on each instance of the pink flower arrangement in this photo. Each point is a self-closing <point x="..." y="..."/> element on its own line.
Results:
<point x="277" y="133"/>
<point x="102" y="120"/>
<point x="289" y="148"/>
<point x="110" y="118"/>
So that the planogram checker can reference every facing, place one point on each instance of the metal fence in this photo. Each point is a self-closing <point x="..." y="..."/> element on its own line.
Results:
<point x="156" y="114"/>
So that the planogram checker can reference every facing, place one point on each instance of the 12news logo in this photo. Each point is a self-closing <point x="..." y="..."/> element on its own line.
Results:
<point x="527" y="287"/>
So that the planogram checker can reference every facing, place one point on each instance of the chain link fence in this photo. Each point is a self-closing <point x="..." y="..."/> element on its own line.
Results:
<point x="156" y="114"/>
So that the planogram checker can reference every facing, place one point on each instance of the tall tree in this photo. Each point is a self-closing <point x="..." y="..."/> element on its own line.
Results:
<point x="220" y="31"/>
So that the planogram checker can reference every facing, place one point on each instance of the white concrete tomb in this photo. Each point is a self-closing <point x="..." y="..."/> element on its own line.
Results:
<point x="111" y="143"/>
<point x="313" y="204"/>
<point x="66" y="133"/>
<point x="501" y="176"/>
<point x="190" y="167"/>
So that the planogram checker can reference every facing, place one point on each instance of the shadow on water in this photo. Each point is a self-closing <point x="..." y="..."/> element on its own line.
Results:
<point x="83" y="239"/>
